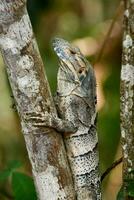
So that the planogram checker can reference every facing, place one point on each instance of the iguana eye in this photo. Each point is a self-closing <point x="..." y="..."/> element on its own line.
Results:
<point x="80" y="71"/>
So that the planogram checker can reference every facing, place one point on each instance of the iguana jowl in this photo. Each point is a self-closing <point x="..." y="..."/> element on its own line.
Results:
<point x="76" y="102"/>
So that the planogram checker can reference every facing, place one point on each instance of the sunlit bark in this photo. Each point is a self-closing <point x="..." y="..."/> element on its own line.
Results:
<point x="127" y="93"/>
<point x="32" y="95"/>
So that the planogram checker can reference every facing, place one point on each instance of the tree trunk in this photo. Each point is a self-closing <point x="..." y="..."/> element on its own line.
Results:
<point x="127" y="93"/>
<point x="31" y="91"/>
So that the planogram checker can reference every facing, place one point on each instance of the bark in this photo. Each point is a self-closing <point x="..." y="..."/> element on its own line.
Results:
<point x="127" y="93"/>
<point x="32" y="95"/>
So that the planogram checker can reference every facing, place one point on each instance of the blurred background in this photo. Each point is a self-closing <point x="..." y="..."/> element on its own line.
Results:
<point x="95" y="26"/>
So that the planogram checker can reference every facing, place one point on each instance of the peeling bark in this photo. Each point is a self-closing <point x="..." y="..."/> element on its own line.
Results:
<point x="32" y="95"/>
<point x="127" y="92"/>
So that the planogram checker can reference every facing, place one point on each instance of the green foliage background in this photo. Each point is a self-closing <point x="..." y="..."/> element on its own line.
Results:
<point x="72" y="20"/>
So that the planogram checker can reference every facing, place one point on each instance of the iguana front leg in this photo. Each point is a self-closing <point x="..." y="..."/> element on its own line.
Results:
<point x="52" y="121"/>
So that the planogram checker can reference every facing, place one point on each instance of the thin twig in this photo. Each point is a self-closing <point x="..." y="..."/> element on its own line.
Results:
<point x="117" y="162"/>
<point x="101" y="51"/>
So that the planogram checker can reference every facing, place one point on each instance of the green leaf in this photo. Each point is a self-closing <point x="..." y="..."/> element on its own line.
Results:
<point x="23" y="187"/>
<point x="130" y="188"/>
<point x="120" y="195"/>
<point x="4" y="174"/>
<point x="14" y="164"/>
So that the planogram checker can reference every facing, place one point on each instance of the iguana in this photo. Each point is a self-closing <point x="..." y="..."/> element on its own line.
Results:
<point x="76" y="104"/>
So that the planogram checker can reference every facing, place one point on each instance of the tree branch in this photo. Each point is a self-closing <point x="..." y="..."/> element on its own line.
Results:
<point x="127" y="92"/>
<point x="32" y="94"/>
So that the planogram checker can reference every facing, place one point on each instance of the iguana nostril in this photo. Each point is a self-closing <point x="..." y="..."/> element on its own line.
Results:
<point x="73" y="52"/>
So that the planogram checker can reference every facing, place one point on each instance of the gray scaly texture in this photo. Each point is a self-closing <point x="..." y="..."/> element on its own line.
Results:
<point x="76" y="102"/>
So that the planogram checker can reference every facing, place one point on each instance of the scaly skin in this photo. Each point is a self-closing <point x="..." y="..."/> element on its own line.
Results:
<point x="76" y="102"/>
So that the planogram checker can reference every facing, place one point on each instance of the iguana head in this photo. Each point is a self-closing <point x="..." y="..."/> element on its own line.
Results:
<point x="75" y="74"/>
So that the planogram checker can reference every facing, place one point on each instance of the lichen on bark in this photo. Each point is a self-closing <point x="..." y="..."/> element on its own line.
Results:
<point x="127" y="92"/>
<point x="31" y="91"/>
